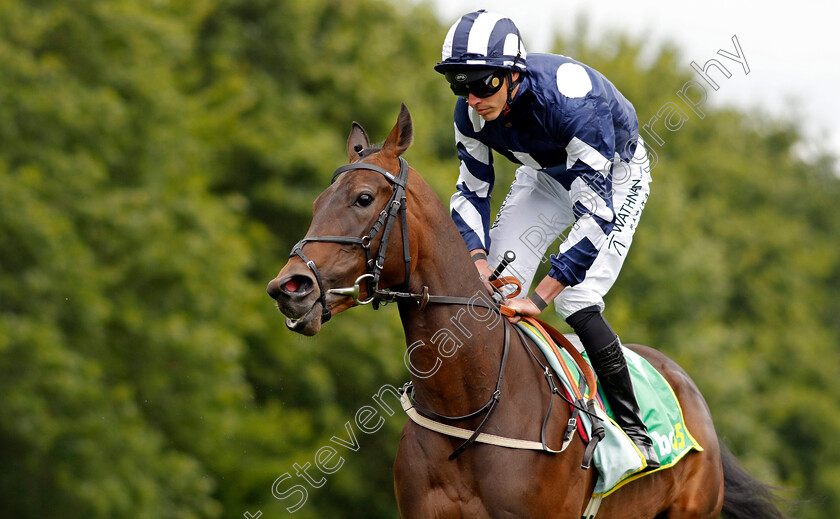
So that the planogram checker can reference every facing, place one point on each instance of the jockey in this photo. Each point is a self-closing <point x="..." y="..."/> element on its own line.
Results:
<point x="583" y="171"/>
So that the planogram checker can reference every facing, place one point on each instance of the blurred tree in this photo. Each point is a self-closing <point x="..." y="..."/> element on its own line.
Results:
<point x="121" y="379"/>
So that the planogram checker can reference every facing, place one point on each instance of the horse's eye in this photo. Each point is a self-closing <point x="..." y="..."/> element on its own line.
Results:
<point x="364" y="200"/>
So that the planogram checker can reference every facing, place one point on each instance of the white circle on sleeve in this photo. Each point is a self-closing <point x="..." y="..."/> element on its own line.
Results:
<point x="572" y="80"/>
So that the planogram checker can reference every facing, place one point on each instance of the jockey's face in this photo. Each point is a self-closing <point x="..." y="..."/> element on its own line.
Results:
<point x="489" y="108"/>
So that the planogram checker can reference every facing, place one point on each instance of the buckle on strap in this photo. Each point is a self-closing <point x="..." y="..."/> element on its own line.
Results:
<point x="353" y="291"/>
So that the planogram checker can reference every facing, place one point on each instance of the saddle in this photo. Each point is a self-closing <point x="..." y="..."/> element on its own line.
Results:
<point x="617" y="459"/>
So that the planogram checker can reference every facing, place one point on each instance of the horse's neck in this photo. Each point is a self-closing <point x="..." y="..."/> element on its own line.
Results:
<point x="454" y="351"/>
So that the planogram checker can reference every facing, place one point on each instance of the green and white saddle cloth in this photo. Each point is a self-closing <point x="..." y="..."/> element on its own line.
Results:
<point x="617" y="459"/>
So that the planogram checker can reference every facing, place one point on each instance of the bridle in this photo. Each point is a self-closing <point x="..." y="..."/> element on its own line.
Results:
<point x="374" y="265"/>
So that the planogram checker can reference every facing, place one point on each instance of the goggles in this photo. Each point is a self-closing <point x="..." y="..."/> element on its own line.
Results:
<point x="482" y="84"/>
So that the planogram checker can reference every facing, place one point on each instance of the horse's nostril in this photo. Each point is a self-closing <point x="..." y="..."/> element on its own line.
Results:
<point x="299" y="285"/>
<point x="293" y="286"/>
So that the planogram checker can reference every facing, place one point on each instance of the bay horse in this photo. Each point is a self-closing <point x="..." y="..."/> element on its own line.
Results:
<point x="380" y="226"/>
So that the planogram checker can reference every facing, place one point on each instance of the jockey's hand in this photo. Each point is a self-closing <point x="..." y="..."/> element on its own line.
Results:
<point x="484" y="271"/>
<point x="522" y="307"/>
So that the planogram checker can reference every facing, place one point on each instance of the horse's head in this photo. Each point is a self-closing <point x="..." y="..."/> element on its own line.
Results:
<point x="342" y="259"/>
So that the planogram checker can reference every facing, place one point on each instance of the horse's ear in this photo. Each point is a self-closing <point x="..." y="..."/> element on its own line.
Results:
<point x="401" y="136"/>
<point x="357" y="142"/>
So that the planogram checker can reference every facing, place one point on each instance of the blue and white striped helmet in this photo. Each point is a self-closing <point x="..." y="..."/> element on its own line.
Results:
<point x="482" y="39"/>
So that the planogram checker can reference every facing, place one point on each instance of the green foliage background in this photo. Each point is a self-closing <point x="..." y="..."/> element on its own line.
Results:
<point x="158" y="160"/>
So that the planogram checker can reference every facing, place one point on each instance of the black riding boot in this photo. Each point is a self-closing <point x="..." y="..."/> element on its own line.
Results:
<point x="611" y="367"/>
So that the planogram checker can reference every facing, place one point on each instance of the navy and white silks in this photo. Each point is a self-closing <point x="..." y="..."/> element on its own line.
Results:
<point x="584" y="172"/>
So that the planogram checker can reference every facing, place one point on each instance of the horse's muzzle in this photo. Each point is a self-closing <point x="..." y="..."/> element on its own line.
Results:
<point x="297" y="296"/>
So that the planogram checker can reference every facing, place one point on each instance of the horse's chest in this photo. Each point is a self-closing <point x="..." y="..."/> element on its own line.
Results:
<point x="485" y="482"/>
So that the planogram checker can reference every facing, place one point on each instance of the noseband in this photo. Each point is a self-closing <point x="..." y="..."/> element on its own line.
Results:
<point x="374" y="265"/>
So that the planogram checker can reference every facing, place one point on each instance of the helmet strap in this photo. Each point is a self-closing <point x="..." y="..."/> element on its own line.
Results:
<point x="511" y="84"/>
